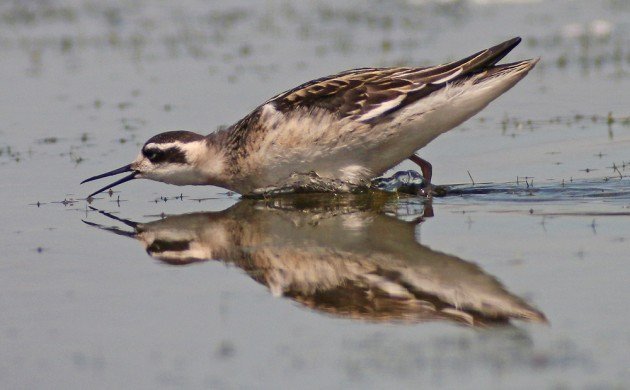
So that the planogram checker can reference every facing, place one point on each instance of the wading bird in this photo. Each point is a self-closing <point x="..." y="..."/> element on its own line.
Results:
<point x="349" y="127"/>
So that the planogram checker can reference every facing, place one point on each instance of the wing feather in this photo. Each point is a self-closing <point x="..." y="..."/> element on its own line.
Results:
<point x="366" y="94"/>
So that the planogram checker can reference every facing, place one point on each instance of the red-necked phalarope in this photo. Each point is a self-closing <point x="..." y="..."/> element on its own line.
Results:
<point x="348" y="127"/>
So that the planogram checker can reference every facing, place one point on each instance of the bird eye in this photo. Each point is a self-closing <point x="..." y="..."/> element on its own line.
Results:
<point x="152" y="154"/>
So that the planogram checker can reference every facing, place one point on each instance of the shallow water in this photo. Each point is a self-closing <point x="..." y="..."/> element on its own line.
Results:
<point x="538" y="212"/>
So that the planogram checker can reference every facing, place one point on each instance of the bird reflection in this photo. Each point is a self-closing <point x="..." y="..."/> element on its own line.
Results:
<point x="350" y="257"/>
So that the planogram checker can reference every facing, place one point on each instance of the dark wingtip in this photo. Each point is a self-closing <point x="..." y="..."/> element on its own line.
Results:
<point x="512" y="43"/>
<point x="502" y="49"/>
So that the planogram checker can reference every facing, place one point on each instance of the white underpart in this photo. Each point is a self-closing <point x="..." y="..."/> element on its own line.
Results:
<point x="354" y="173"/>
<point x="305" y="141"/>
<point x="298" y="142"/>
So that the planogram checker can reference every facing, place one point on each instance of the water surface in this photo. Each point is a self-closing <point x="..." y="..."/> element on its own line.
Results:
<point x="544" y="227"/>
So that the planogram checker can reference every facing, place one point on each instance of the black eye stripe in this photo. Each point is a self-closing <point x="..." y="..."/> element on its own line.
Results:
<point x="171" y="155"/>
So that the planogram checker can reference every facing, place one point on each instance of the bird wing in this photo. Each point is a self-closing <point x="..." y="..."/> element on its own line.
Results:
<point x="368" y="94"/>
<point x="364" y="95"/>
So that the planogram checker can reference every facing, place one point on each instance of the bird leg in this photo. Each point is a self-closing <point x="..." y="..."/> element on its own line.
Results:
<point x="425" y="167"/>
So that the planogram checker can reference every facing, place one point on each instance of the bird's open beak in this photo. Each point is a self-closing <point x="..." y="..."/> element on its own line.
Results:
<point x="126" y="168"/>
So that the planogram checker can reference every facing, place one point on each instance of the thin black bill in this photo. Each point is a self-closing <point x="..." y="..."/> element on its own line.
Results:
<point x="126" y="168"/>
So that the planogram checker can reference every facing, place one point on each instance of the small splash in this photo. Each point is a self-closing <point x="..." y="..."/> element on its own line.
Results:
<point x="408" y="182"/>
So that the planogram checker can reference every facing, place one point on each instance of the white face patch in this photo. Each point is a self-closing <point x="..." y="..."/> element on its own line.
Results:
<point x="180" y="163"/>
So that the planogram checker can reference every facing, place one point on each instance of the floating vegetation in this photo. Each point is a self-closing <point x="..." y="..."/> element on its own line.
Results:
<point x="19" y="13"/>
<point x="9" y="153"/>
<point x="74" y="157"/>
<point x="49" y="140"/>
<point x="519" y="124"/>
<point x="165" y="199"/>
<point x="523" y="189"/>
<point x="124" y="105"/>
